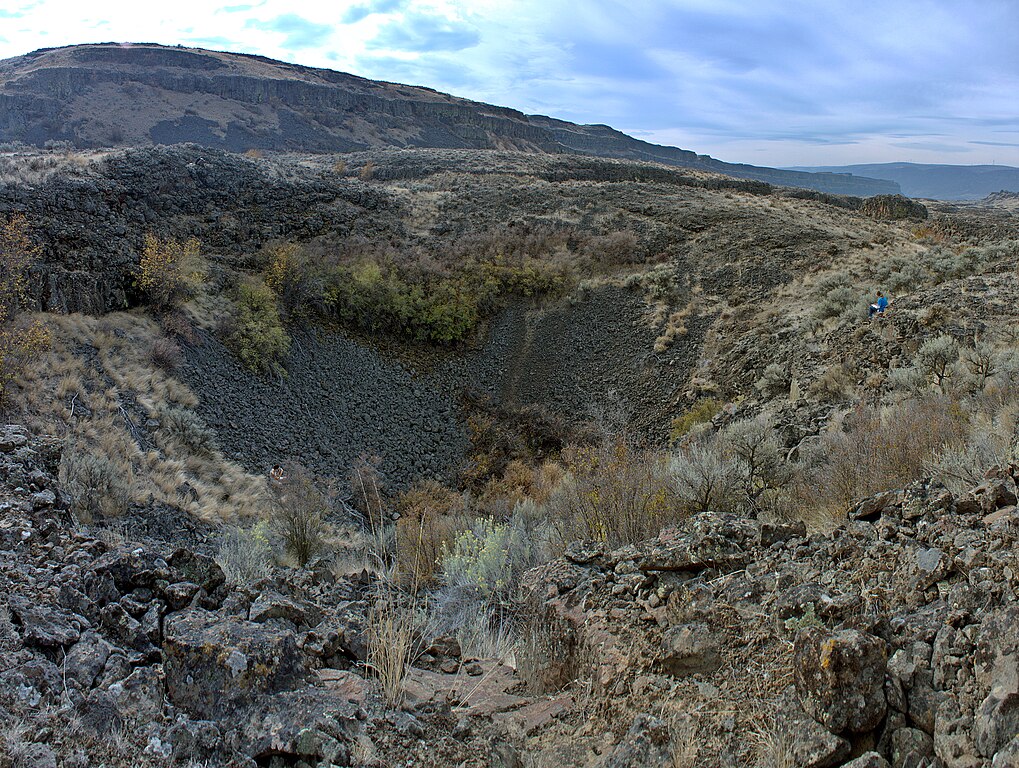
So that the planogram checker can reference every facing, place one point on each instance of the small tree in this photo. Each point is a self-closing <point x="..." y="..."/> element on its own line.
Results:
<point x="17" y="254"/>
<point x="170" y="271"/>
<point x="288" y="273"/>
<point x="981" y="362"/>
<point x="705" y="478"/>
<point x="936" y="357"/>
<point x="19" y="344"/>
<point x="758" y="460"/>
<point x="298" y="514"/>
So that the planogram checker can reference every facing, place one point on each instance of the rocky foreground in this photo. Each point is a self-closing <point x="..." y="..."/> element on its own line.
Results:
<point x="891" y="641"/>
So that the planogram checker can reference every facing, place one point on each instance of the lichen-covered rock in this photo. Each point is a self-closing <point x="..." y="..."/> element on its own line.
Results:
<point x="807" y="743"/>
<point x="125" y="631"/>
<point x="180" y="594"/>
<point x="1007" y="756"/>
<point x="309" y="724"/>
<point x="272" y="605"/>
<point x="911" y="746"/>
<point x="997" y="673"/>
<point x="87" y="659"/>
<point x="893" y="207"/>
<point x="12" y="437"/>
<point x="197" y="568"/>
<point x="130" y="567"/>
<point x="139" y="696"/>
<point x="216" y="664"/>
<point x="709" y="541"/>
<point x="840" y="678"/>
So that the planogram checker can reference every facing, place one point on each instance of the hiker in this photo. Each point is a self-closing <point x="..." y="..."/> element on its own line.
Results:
<point x="277" y="474"/>
<point x="879" y="306"/>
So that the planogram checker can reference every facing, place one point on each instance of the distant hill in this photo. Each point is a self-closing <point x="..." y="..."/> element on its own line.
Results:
<point x="141" y="95"/>
<point x="938" y="182"/>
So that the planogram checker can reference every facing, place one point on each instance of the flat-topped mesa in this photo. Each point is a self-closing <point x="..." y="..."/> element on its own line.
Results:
<point x="138" y="95"/>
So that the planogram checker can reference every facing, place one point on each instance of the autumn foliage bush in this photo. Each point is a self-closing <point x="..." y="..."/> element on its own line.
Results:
<point x="615" y="492"/>
<point x="170" y="271"/>
<point x="878" y="450"/>
<point x="427" y="523"/>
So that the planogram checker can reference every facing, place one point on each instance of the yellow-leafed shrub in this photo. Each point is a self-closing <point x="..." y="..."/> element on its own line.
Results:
<point x="170" y="271"/>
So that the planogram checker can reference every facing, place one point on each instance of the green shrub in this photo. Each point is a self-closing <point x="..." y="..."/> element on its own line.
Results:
<point x="901" y="272"/>
<point x="774" y="381"/>
<point x="662" y="282"/>
<point x="909" y="380"/>
<point x="487" y="558"/>
<point x="481" y="569"/>
<point x="701" y="412"/>
<point x="256" y="332"/>
<point x="439" y="308"/>
<point x="936" y="357"/>
<point x="835" y="296"/>
<point x="245" y="555"/>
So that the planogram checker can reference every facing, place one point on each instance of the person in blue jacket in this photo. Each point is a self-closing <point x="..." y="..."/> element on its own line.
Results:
<point x="879" y="306"/>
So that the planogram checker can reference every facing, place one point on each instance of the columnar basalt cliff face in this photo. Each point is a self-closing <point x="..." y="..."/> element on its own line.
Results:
<point x="112" y="95"/>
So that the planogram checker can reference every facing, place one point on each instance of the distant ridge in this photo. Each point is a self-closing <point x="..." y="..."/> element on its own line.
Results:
<point x="938" y="182"/>
<point x="139" y="95"/>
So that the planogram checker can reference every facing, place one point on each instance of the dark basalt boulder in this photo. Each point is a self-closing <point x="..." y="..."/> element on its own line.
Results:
<point x="216" y="664"/>
<point x="840" y="678"/>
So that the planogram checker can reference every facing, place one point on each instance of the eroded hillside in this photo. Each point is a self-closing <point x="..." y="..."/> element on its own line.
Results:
<point x="143" y="95"/>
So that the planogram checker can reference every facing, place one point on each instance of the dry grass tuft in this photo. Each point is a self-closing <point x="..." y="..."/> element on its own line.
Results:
<point x="392" y="633"/>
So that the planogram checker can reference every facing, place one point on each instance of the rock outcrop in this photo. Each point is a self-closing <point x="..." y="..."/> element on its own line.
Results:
<point x="894" y="634"/>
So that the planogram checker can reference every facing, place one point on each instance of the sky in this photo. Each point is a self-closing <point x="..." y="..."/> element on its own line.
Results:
<point x="768" y="82"/>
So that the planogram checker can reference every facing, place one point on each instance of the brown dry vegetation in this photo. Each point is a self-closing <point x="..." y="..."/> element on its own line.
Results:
<point x="98" y="387"/>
